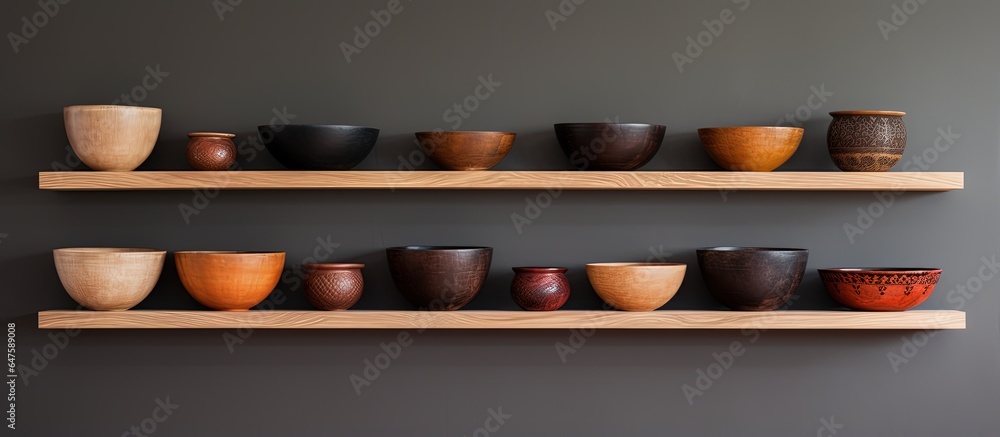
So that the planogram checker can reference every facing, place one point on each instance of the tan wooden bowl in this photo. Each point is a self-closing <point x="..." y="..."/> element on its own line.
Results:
<point x="112" y="138"/>
<point x="636" y="286"/>
<point x="108" y="279"/>
<point x="229" y="281"/>
<point x="751" y="148"/>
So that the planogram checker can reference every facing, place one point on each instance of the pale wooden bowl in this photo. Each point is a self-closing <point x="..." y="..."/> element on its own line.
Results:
<point x="751" y="148"/>
<point x="636" y="286"/>
<point x="112" y="138"/>
<point x="108" y="279"/>
<point x="229" y="281"/>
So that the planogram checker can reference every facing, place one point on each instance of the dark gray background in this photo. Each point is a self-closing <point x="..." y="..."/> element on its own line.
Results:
<point x="608" y="59"/>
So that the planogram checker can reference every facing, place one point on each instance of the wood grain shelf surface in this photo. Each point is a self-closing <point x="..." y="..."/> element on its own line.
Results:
<point x="501" y="180"/>
<point x="358" y="319"/>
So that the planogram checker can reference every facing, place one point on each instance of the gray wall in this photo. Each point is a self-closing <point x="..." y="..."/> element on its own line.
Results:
<point x="607" y="59"/>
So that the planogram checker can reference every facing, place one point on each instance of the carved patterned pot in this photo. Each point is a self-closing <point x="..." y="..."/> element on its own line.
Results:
<point x="211" y="151"/>
<point x="866" y="140"/>
<point x="885" y="289"/>
<point x="334" y="287"/>
<point x="540" y="288"/>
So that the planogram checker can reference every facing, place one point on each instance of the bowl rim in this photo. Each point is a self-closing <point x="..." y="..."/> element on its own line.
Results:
<point x="881" y="270"/>
<point x="635" y="264"/>
<point x="746" y="249"/>
<point x="771" y="128"/>
<point x="338" y="126"/>
<point x="108" y="250"/>
<point x="226" y="252"/>
<point x="420" y="248"/>
<point x="203" y="134"/>
<point x="110" y="107"/>
<point x="333" y="266"/>
<point x="605" y="123"/>
<point x="869" y="112"/>
<point x="463" y="132"/>
<point x="540" y="269"/>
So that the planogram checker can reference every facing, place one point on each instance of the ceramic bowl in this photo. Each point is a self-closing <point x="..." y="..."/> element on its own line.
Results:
<point x="439" y="277"/>
<point x="609" y="146"/>
<point x="108" y="279"/>
<point x="540" y="288"/>
<point x="636" y="286"/>
<point x="333" y="287"/>
<point x="112" y="138"/>
<point x="229" y="281"/>
<point x="752" y="278"/>
<point x="880" y="289"/>
<point x="871" y="141"/>
<point x="466" y="150"/>
<point x="318" y="147"/>
<point x="750" y="148"/>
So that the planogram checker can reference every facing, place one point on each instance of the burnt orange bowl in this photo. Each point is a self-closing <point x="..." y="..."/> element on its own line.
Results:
<point x="750" y="148"/>
<point x="880" y="289"/>
<point x="229" y="281"/>
<point x="466" y="150"/>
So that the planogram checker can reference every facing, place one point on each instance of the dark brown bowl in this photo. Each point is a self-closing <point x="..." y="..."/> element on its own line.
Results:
<point x="752" y="278"/>
<point x="466" y="150"/>
<point x="880" y="289"/>
<point x="871" y="141"/>
<point x="439" y="277"/>
<point x="609" y="146"/>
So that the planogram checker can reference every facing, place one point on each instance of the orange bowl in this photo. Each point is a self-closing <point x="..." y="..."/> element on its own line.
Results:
<point x="229" y="281"/>
<point x="751" y="148"/>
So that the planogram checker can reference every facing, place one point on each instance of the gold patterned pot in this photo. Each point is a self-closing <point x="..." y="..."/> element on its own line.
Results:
<point x="866" y="140"/>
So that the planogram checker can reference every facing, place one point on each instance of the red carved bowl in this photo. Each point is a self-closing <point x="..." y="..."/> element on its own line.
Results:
<point x="882" y="289"/>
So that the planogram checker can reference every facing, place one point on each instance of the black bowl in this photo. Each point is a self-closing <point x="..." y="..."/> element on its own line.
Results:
<point x="609" y="146"/>
<point x="318" y="147"/>
<point x="439" y="277"/>
<point x="752" y="278"/>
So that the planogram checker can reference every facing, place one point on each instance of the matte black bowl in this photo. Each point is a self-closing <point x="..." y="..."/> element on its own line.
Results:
<point x="319" y="147"/>
<point x="609" y="146"/>
<point x="439" y="277"/>
<point x="752" y="278"/>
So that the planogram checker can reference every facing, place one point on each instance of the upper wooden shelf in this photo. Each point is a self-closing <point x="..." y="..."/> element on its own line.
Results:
<point x="358" y="319"/>
<point x="501" y="180"/>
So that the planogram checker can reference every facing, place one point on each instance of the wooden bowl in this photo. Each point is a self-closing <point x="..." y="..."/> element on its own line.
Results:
<point x="439" y="277"/>
<point x="751" y="148"/>
<point x="636" y="286"/>
<point x="880" y="289"/>
<point x="108" y="279"/>
<point x="752" y="278"/>
<point x="318" y="147"/>
<point x="229" y="281"/>
<point x="466" y="150"/>
<point x="112" y="138"/>
<point x="609" y="146"/>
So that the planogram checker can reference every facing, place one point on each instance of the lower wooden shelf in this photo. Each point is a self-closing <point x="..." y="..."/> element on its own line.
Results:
<point x="143" y="319"/>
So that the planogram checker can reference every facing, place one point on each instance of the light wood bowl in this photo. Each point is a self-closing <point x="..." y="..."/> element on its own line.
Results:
<point x="108" y="279"/>
<point x="751" y="148"/>
<point x="112" y="138"/>
<point x="229" y="281"/>
<point x="636" y="286"/>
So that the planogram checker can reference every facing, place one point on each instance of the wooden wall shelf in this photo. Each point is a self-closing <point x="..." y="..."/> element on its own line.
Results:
<point x="501" y="180"/>
<point x="802" y="320"/>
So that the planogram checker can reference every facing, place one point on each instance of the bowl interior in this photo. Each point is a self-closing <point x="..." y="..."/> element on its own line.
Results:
<point x="437" y="248"/>
<point x="882" y="270"/>
<point x="749" y="249"/>
<point x="103" y="250"/>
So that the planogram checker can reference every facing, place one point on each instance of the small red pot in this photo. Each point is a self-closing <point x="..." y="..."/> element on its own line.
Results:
<point x="211" y="151"/>
<point x="540" y="288"/>
<point x="333" y="287"/>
